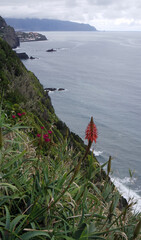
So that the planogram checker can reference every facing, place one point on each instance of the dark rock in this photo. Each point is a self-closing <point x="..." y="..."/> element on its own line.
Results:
<point x="50" y="89"/>
<point x="61" y="89"/>
<point x="122" y="203"/>
<point x="51" y="50"/>
<point x="54" y="89"/>
<point x="32" y="57"/>
<point x="23" y="56"/>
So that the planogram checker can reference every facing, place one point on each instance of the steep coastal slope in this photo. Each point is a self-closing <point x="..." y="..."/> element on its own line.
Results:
<point x="51" y="188"/>
<point x="23" y="89"/>
<point x="8" y="34"/>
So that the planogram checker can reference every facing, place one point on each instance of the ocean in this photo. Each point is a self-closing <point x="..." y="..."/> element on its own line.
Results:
<point x="101" y="75"/>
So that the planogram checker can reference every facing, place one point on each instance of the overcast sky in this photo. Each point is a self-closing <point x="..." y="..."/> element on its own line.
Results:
<point x="103" y="14"/>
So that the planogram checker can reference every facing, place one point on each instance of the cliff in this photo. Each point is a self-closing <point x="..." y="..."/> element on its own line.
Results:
<point x="23" y="89"/>
<point x="8" y="34"/>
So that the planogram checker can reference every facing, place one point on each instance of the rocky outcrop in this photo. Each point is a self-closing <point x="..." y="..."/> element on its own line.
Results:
<point x="23" y="56"/>
<point x="51" y="50"/>
<point x="8" y="34"/>
<point x="50" y="89"/>
<point x="54" y="89"/>
<point x="32" y="58"/>
<point x="61" y="89"/>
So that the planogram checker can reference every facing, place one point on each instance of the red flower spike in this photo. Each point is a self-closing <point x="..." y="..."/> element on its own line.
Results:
<point x="13" y="116"/>
<point x="19" y="114"/>
<point x="42" y="127"/>
<point x="23" y="113"/>
<point x="91" y="131"/>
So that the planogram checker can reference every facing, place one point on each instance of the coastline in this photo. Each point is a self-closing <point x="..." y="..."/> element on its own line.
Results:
<point x="52" y="179"/>
<point x="74" y="131"/>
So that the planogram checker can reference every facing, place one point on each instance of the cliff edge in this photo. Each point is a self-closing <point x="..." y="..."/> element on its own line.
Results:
<point x="8" y="34"/>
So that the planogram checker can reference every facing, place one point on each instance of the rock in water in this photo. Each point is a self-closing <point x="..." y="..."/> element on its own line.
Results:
<point x="23" y="56"/>
<point x="51" y="50"/>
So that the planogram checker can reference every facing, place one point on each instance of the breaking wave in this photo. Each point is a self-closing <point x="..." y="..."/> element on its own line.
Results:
<point x="128" y="193"/>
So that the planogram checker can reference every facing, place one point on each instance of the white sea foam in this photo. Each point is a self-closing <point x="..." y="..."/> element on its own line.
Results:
<point x="61" y="49"/>
<point x="51" y="92"/>
<point x="127" y="180"/>
<point x="17" y="48"/>
<point x="97" y="153"/>
<point x="126" y="192"/>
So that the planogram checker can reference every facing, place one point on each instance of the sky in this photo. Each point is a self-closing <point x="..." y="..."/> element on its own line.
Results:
<point x="105" y="15"/>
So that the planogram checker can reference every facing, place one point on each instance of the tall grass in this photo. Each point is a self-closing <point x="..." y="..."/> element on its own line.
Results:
<point x="45" y="195"/>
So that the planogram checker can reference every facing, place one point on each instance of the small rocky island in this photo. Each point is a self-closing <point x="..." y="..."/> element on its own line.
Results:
<point x="51" y="50"/>
<point x="30" y="36"/>
<point x="53" y="89"/>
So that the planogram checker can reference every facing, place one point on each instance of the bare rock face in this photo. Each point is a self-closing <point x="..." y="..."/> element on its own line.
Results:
<point x="2" y="23"/>
<point x="8" y="34"/>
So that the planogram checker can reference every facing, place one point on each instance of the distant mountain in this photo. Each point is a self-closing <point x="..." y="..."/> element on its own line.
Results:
<point x="8" y="34"/>
<point x="35" y="24"/>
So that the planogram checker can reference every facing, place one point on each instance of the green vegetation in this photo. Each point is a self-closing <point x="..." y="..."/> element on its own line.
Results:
<point x="48" y="189"/>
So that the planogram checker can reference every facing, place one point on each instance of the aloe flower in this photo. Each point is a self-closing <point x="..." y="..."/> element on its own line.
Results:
<point x="91" y="135"/>
<point x="91" y="131"/>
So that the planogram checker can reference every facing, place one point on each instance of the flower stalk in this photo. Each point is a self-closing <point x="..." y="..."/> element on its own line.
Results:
<point x="91" y="135"/>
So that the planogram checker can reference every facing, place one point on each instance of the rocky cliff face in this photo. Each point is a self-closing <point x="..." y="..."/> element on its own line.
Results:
<point x="8" y="34"/>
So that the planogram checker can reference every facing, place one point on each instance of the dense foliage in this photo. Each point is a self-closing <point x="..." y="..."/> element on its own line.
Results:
<point x="43" y="192"/>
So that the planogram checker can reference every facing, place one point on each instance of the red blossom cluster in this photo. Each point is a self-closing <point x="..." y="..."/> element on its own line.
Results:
<point x="19" y="115"/>
<point x="91" y="131"/>
<point x="46" y="136"/>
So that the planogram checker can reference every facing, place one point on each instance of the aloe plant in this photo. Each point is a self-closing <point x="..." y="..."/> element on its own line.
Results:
<point x="55" y="195"/>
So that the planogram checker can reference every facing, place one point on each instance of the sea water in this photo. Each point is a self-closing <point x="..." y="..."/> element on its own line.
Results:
<point x="101" y="75"/>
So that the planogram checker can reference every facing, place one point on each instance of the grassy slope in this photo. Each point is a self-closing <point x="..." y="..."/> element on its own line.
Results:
<point x="34" y="175"/>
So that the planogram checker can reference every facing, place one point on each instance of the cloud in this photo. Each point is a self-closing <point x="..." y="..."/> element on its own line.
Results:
<point x="100" y="2"/>
<point x="103" y="14"/>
